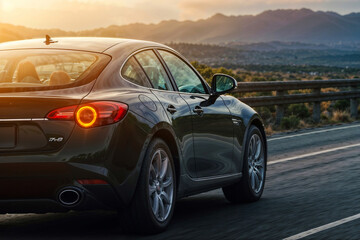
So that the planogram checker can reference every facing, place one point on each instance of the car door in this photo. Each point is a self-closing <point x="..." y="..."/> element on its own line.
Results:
<point x="212" y="125"/>
<point x="176" y="108"/>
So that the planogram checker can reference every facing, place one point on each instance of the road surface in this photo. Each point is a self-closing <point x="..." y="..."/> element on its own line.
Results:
<point x="312" y="192"/>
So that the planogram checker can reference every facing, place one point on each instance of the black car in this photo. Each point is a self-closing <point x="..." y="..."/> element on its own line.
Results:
<point x="119" y="124"/>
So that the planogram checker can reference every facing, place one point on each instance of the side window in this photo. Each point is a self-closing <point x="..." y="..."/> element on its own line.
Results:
<point x="185" y="78"/>
<point x="132" y="72"/>
<point x="154" y="70"/>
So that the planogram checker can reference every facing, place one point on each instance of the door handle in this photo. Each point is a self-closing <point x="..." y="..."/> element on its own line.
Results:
<point x="171" y="109"/>
<point x="198" y="110"/>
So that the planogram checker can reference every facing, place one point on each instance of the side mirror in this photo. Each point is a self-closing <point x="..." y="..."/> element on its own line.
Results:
<point x="222" y="83"/>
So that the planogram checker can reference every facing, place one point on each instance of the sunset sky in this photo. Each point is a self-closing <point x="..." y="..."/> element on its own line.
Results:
<point x="89" y="14"/>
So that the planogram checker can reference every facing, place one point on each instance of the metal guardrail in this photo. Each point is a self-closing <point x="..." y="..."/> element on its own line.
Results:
<point x="351" y="92"/>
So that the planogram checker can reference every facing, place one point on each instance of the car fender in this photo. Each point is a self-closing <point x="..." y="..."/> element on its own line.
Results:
<point x="132" y="180"/>
<point x="254" y="120"/>
<point x="246" y="116"/>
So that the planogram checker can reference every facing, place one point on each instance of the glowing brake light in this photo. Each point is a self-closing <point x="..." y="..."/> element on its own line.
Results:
<point x="91" y="114"/>
<point x="86" y="116"/>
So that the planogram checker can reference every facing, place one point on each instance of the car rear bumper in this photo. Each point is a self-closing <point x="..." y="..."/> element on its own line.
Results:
<point x="112" y="153"/>
<point x="101" y="197"/>
<point x="36" y="187"/>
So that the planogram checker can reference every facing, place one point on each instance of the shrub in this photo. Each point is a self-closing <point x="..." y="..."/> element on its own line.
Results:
<point x="299" y="110"/>
<point x="290" y="122"/>
<point x="264" y="112"/>
<point x="325" y="116"/>
<point x="342" y="105"/>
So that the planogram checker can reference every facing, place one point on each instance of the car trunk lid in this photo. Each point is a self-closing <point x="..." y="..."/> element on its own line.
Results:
<point x="23" y="123"/>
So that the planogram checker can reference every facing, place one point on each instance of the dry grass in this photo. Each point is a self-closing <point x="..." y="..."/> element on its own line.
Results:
<point x="325" y="105"/>
<point x="304" y="124"/>
<point x="269" y="130"/>
<point x="341" y="116"/>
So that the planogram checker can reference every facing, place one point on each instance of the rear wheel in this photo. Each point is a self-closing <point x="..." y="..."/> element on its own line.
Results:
<point x="153" y="204"/>
<point x="251" y="186"/>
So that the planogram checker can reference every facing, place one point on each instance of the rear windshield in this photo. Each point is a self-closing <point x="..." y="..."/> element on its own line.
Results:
<point x="26" y="70"/>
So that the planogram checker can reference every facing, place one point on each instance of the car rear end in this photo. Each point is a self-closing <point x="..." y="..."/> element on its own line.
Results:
<point x="54" y="145"/>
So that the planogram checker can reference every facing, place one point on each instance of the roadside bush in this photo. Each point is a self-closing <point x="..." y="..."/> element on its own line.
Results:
<point x="290" y="122"/>
<point x="342" y="105"/>
<point x="264" y="112"/>
<point x="299" y="110"/>
<point x="325" y="116"/>
<point x="341" y="116"/>
<point x="325" y="105"/>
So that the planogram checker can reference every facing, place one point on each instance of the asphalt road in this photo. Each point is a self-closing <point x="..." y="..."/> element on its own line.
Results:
<point x="305" y="191"/>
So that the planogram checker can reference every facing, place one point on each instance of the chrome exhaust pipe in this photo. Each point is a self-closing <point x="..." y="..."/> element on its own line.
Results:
<point x="70" y="196"/>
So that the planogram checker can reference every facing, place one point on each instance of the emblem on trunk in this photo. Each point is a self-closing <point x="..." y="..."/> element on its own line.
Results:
<point x="56" y="139"/>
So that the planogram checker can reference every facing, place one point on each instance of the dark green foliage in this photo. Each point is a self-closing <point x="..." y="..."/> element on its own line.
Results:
<point x="290" y="122"/>
<point x="264" y="112"/>
<point x="298" y="110"/>
<point x="342" y="104"/>
<point x="324" y="117"/>
<point x="258" y="79"/>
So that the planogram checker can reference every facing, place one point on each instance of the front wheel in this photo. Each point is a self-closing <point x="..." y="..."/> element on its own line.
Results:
<point x="154" y="200"/>
<point x="251" y="186"/>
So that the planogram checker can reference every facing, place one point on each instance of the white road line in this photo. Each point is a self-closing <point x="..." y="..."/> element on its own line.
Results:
<point x="324" y="227"/>
<point x="309" y="133"/>
<point x="313" y="154"/>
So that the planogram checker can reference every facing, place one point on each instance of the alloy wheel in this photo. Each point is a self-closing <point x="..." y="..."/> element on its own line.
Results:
<point x="256" y="163"/>
<point x="161" y="185"/>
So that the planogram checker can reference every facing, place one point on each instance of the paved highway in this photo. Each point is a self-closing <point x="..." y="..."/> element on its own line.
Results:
<point x="312" y="192"/>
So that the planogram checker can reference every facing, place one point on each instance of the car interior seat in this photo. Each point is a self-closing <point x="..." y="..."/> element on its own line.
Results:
<point x="59" y="78"/>
<point x="26" y="73"/>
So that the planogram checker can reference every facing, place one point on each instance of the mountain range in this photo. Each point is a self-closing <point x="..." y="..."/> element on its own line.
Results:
<point x="301" y="25"/>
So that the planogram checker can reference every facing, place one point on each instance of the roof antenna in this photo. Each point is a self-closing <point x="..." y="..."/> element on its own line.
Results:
<point x="48" y="40"/>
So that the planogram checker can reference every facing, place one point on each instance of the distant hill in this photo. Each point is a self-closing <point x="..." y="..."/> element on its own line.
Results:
<point x="10" y="32"/>
<point x="271" y="53"/>
<point x="303" y="25"/>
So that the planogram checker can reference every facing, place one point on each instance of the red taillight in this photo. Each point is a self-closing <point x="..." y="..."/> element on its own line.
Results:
<point x="65" y="113"/>
<point x="91" y="181"/>
<point x="91" y="114"/>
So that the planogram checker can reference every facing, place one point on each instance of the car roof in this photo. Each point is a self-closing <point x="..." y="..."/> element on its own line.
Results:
<point x="92" y="44"/>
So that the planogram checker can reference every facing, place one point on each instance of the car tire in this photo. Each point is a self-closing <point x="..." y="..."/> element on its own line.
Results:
<point x="153" y="204"/>
<point x="251" y="185"/>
